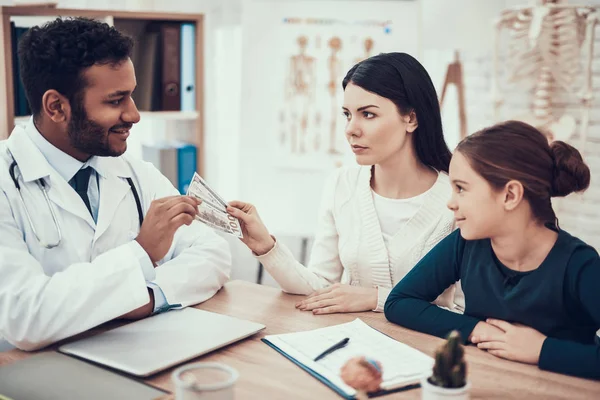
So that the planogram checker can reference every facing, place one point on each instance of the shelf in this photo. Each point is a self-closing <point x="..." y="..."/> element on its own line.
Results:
<point x="170" y="115"/>
<point x="28" y="10"/>
<point x="144" y="115"/>
<point x="119" y="18"/>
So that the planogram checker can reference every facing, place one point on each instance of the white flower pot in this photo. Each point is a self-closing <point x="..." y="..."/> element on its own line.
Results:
<point x="432" y="392"/>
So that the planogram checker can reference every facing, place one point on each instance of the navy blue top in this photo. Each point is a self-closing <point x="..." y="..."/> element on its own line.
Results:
<point x="561" y="298"/>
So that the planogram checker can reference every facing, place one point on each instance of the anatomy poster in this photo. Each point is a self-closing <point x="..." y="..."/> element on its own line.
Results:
<point x="312" y="48"/>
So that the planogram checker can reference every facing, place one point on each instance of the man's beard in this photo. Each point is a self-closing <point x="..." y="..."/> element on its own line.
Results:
<point x="89" y="137"/>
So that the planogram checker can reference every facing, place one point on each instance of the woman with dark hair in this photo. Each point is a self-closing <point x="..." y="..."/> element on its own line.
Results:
<point x="379" y="218"/>
<point x="530" y="288"/>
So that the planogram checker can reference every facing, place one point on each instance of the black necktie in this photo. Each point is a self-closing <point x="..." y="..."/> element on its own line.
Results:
<point x="80" y="183"/>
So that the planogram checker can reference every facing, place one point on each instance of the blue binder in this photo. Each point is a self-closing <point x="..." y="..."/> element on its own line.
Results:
<point x="188" y="67"/>
<point x="186" y="165"/>
<point x="330" y="384"/>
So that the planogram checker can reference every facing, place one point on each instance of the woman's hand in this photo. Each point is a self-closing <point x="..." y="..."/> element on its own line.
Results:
<point x="256" y="234"/>
<point x="339" y="298"/>
<point x="513" y="342"/>
<point x="483" y="329"/>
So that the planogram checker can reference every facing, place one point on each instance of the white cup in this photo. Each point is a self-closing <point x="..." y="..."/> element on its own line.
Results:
<point x="204" y="381"/>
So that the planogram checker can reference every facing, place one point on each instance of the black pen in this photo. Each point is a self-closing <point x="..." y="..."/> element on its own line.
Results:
<point x="333" y="348"/>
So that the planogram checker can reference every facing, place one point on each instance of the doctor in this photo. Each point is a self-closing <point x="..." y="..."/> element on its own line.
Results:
<point x="87" y="233"/>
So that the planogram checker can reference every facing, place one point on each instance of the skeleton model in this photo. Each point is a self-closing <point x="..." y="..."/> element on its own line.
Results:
<point x="317" y="140"/>
<point x="545" y="47"/>
<point x="368" y="46"/>
<point x="299" y="95"/>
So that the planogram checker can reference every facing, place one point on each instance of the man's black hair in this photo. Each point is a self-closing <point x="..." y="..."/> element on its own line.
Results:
<point x="55" y="55"/>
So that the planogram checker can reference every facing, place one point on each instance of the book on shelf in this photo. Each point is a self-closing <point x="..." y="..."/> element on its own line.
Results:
<point x="188" y="66"/>
<point x="164" y="59"/>
<point x="165" y="64"/>
<point x="19" y="97"/>
<point x="170" y="72"/>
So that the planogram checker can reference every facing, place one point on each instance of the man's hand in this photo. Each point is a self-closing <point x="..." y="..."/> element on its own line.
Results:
<point x="339" y="298"/>
<point x="143" y="311"/>
<point x="161" y="222"/>
<point x="513" y="342"/>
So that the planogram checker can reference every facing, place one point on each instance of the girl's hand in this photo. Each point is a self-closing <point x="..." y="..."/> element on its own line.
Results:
<point x="514" y="342"/>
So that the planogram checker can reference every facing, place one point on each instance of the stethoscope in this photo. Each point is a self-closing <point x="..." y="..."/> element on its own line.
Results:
<point x="42" y="185"/>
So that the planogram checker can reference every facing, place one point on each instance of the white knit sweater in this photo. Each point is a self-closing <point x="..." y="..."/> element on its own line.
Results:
<point x="349" y="246"/>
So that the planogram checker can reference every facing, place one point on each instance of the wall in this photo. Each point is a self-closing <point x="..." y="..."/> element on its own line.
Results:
<point x="218" y="17"/>
<point x="465" y="26"/>
<point x="578" y="213"/>
<point x="290" y="199"/>
<point x="237" y="159"/>
<point x="287" y="198"/>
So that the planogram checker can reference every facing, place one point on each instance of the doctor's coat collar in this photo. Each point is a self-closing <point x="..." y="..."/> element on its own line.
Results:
<point x="33" y="165"/>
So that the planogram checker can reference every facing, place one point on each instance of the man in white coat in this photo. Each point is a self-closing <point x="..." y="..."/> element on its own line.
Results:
<point x="87" y="233"/>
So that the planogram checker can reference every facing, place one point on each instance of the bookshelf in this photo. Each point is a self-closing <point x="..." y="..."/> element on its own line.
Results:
<point x="7" y="112"/>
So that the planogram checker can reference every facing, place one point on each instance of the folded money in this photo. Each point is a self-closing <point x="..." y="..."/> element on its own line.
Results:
<point x="213" y="210"/>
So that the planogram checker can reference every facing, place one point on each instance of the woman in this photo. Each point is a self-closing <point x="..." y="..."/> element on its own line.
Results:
<point x="378" y="219"/>
<point x="530" y="288"/>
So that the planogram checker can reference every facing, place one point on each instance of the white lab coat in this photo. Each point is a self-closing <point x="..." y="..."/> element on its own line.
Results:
<point x="94" y="275"/>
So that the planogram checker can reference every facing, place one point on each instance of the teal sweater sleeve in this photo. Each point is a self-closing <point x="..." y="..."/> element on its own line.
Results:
<point x="569" y="357"/>
<point x="409" y="303"/>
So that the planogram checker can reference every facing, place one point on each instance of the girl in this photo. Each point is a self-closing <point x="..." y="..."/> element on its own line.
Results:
<point x="378" y="219"/>
<point x="530" y="288"/>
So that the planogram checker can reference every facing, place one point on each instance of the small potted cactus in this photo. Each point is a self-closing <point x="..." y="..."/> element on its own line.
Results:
<point x="449" y="378"/>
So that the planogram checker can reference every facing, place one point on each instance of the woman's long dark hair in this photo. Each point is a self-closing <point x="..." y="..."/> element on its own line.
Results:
<point x="400" y="78"/>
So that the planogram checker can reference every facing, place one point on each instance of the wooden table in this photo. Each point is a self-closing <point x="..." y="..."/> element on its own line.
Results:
<point x="265" y="374"/>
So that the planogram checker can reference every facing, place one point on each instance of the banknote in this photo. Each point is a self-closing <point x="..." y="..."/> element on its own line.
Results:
<point x="200" y="189"/>
<point x="218" y="220"/>
<point x="197" y="179"/>
<point x="212" y="212"/>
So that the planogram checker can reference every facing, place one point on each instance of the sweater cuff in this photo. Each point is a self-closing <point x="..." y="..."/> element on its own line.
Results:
<point x="262" y="255"/>
<point x="278" y="255"/>
<point x="549" y="356"/>
<point x="382" y="295"/>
